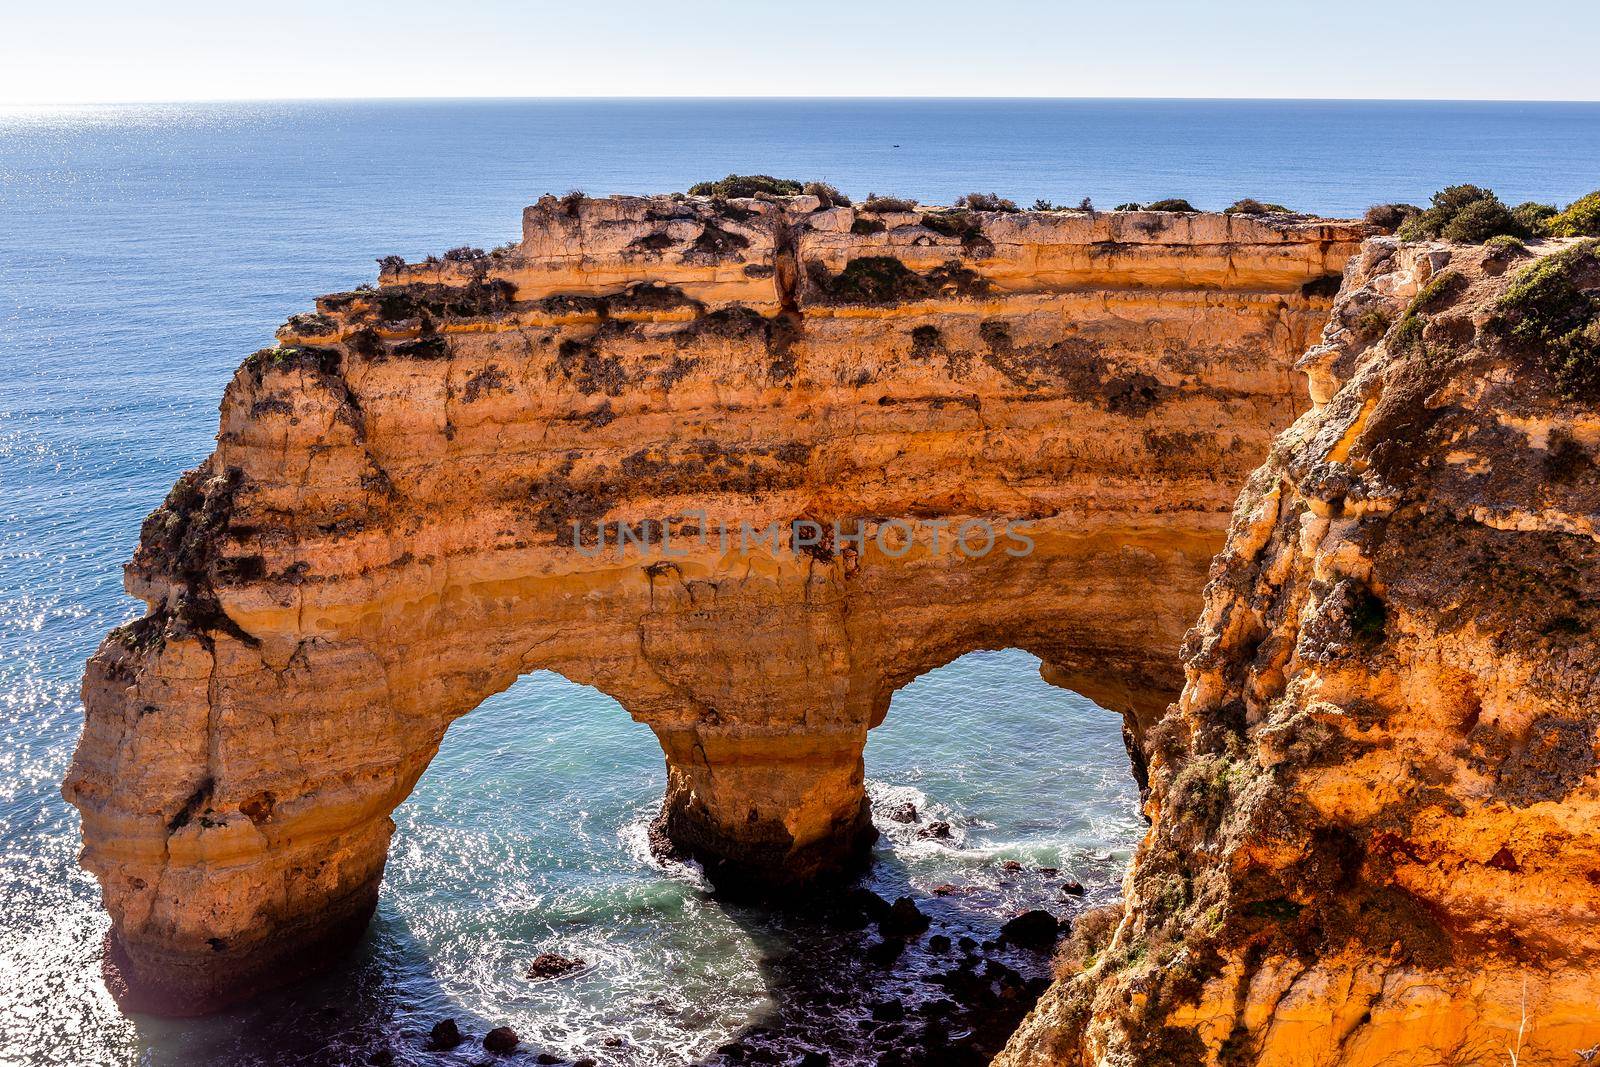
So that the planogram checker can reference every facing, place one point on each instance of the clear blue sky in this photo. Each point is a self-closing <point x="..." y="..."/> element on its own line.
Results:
<point x="66" y="51"/>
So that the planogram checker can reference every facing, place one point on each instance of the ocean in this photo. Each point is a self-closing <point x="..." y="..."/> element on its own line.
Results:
<point x="145" y="250"/>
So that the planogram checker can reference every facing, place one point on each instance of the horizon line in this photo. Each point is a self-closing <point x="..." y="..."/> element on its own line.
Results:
<point x="557" y="98"/>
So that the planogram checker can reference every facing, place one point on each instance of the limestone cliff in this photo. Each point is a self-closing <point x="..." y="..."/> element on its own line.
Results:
<point x="1375" y="804"/>
<point x="417" y="497"/>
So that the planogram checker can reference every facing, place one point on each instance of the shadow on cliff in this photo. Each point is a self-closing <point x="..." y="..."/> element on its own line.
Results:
<point x="856" y="979"/>
<point x="363" y="1010"/>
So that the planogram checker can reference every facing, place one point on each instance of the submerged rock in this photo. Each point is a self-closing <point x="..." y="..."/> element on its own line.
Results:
<point x="551" y="965"/>
<point x="503" y="1039"/>
<point x="445" y="1035"/>
<point x="1036" y="929"/>
<point x="904" y="919"/>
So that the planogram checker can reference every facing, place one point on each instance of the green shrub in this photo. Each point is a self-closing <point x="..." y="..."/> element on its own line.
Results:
<point x="1534" y="216"/>
<point x="746" y="185"/>
<point x="1506" y="245"/>
<point x="829" y="196"/>
<point x="1409" y="332"/>
<point x="1130" y="206"/>
<point x="1445" y="283"/>
<point x="882" y="205"/>
<point x="959" y="224"/>
<point x="1481" y="220"/>
<point x="1552" y="307"/>
<point x="886" y="280"/>
<point x="391" y="264"/>
<point x="1251" y="206"/>
<point x="1412" y="323"/>
<point x="987" y="202"/>
<point x="1581" y="219"/>
<point x="1373" y="322"/>
<point x="1391" y="216"/>
<point x="1045" y="205"/>
<point x="1173" y="204"/>
<point x="1463" y="213"/>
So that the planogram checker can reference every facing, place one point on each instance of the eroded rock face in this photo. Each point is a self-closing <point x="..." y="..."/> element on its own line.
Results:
<point x="415" y="499"/>
<point x="1376" y="803"/>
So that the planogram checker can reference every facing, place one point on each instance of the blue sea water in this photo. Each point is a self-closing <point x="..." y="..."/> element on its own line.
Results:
<point x="144" y="250"/>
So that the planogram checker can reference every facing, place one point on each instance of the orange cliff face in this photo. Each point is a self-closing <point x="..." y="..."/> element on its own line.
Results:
<point x="1375" y="805"/>
<point x="418" y="498"/>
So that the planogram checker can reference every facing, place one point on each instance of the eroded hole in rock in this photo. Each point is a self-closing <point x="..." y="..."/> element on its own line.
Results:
<point x="994" y="792"/>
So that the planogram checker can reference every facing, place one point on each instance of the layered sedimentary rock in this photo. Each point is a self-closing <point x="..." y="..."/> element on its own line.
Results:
<point x="418" y="496"/>
<point x="1376" y="803"/>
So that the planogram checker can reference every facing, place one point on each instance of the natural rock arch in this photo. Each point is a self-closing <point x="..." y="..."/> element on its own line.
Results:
<point x="404" y="508"/>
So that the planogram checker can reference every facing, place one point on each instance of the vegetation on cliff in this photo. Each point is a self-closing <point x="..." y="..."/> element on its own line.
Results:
<point x="1554" y="307"/>
<point x="735" y="186"/>
<point x="1472" y="215"/>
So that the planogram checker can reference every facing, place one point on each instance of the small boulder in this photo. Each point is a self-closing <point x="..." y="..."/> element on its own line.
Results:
<point x="938" y="830"/>
<point x="888" y="1011"/>
<point x="903" y="920"/>
<point x="813" y="1058"/>
<point x="1036" y="929"/>
<point x="501" y="1039"/>
<point x="885" y="952"/>
<point x="938" y="943"/>
<point x="1011" y="865"/>
<point x="1072" y="888"/>
<point x="444" y="1036"/>
<point x="547" y="1058"/>
<point x="551" y="965"/>
<point x="1049" y="871"/>
<point x="906" y="813"/>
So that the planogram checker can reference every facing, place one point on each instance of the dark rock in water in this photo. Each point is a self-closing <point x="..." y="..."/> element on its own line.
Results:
<point x="1072" y="888"/>
<point x="966" y="944"/>
<point x="903" y="920"/>
<point x="939" y="829"/>
<point x="501" y="1039"/>
<point x="938" y="943"/>
<point x="550" y="965"/>
<point x="904" y="813"/>
<point x="888" y="1011"/>
<point x="445" y="1035"/>
<point x="1011" y="865"/>
<point x="946" y="889"/>
<point x="731" y="1051"/>
<point x="585" y="1061"/>
<point x="381" y="1058"/>
<point x="813" y="1058"/>
<point x="852" y="909"/>
<point x="885" y="952"/>
<point x="547" y="1058"/>
<point x="1036" y="929"/>
<point x="1049" y="870"/>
